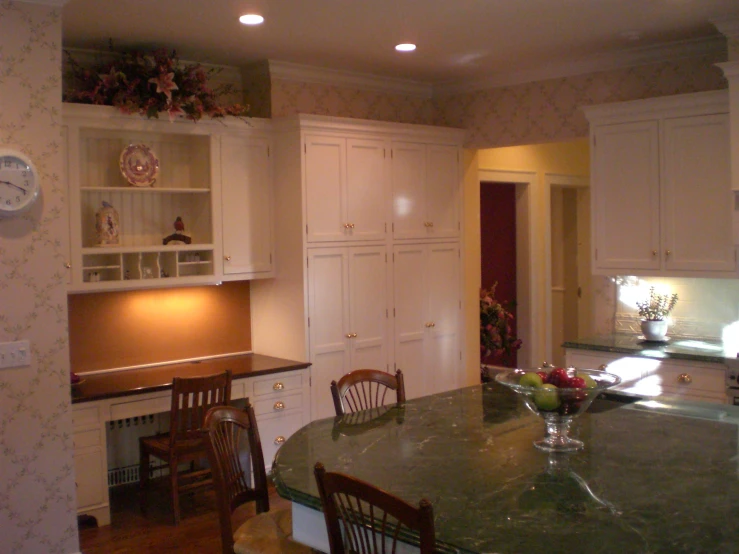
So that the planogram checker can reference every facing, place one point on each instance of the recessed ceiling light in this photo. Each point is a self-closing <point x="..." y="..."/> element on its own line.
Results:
<point x="405" y="47"/>
<point x="251" y="19"/>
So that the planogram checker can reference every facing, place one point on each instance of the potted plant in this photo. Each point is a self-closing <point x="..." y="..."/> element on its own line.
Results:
<point x="654" y="311"/>
<point x="497" y="339"/>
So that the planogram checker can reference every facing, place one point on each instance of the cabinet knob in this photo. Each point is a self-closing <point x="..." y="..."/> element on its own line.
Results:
<point x="428" y="223"/>
<point x="278" y="406"/>
<point x="351" y="226"/>
<point x="227" y="258"/>
<point x="346" y="225"/>
<point x="667" y="253"/>
<point x="602" y="367"/>
<point x="68" y="265"/>
<point x="279" y="440"/>
<point x="654" y="253"/>
<point x="351" y="335"/>
<point x="430" y="324"/>
<point x="684" y="378"/>
<point x="278" y="386"/>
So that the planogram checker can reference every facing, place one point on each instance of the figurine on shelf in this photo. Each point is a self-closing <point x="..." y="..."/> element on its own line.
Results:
<point x="179" y="236"/>
<point x="107" y="226"/>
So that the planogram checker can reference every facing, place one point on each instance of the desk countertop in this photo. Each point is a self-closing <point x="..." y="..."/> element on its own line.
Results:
<point x="152" y="379"/>
<point x="699" y="350"/>
<point x="653" y="478"/>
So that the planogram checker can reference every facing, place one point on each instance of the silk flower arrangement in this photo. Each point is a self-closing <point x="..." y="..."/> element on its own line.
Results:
<point x="496" y="334"/>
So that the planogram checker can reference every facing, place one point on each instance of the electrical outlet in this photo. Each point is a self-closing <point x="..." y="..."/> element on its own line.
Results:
<point x="15" y="354"/>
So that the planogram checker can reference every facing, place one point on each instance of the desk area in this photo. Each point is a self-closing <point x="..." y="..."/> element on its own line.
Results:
<point x="654" y="477"/>
<point x="278" y="389"/>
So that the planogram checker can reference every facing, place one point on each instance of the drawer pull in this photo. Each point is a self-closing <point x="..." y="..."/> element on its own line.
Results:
<point x="279" y="440"/>
<point x="602" y="367"/>
<point x="279" y="406"/>
<point x="684" y="378"/>
<point x="278" y="386"/>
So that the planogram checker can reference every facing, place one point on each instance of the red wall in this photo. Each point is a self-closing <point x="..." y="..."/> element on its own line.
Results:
<point x="498" y="243"/>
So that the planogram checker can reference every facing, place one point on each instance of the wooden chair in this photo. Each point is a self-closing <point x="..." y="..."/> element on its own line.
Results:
<point x="192" y="397"/>
<point x="366" y="388"/>
<point x="229" y="430"/>
<point x="363" y="519"/>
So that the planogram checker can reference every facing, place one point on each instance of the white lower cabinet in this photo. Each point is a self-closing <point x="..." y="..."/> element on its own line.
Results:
<point x="655" y="377"/>
<point x="427" y="304"/>
<point x="348" y="316"/>
<point x="90" y="462"/>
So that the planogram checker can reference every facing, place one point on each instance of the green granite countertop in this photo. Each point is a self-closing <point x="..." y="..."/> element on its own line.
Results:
<point x="701" y="350"/>
<point x="653" y="477"/>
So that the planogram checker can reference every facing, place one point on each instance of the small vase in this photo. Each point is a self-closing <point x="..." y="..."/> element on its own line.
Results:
<point x="654" y="330"/>
<point x="107" y="226"/>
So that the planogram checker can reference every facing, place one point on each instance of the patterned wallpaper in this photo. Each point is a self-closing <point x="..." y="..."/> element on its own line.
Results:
<point x="37" y="490"/>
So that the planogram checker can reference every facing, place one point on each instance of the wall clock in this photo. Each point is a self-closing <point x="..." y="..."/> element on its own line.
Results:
<point x="19" y="183"/>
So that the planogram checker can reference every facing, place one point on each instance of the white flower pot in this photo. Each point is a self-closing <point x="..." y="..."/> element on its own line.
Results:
<point x="654" y="330"/>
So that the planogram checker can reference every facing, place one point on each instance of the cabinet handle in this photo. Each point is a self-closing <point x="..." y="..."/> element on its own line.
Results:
<point x="351" y="226"/>
<point x="430" y="324"/>
<point x="428" y="223"/>
<point x="346" y="225"/>
<point x="68" y="265"/>
<point x="354" y="335"/>
<point x="227" y="258"/>
<point x="654" y="253"/>
<point x="279" y="440"/>
<point x="684" y="378"/>
<point x="278" y="386"/>
<point x="667" y="253"/>
<point x="351" y="335"/>
<point x="279" y="406"/>
<point x="602" y="367"/>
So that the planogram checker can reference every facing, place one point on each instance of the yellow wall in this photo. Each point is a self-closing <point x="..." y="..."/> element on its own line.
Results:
<point x="563" y="158"/>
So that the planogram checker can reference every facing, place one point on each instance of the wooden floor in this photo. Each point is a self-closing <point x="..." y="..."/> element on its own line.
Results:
<point x="132" y="532"/>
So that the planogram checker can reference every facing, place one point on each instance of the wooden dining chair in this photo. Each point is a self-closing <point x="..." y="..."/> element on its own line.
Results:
<point x="234" y="450"/>
<point x="362" y="389"/>
<point x="363" y="519"/>
<point x="192" y="397"/>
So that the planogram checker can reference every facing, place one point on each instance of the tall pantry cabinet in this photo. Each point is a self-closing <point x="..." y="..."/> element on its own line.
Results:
<point x="367" y="240"/>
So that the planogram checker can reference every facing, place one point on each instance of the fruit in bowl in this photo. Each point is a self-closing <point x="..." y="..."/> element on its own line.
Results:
<point x="562" y="396"/>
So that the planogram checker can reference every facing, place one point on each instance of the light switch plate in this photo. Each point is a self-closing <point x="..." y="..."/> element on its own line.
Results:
<point x="15" y="354"/>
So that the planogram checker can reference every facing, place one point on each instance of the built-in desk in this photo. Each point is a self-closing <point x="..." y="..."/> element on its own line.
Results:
<point x="278" y="389"/>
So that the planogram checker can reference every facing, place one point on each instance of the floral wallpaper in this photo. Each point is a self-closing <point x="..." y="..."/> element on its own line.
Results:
<point x="37" y="488"/>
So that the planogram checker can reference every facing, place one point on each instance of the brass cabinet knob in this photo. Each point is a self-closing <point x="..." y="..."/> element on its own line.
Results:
<point x="602" y="367"/>
<point x="227" y="258"/>
<point x="684" y="378"/>
<point x="654" y="253"/>
<point x="346" y="225"/>
<point x="667" y="253"/>
<point x="279" y="440"/>
<point x="278" y="386"/>
<point x="279" y="406"/>
<point x="68" y="265"/>
<point x="354" y="335"/>
<point x="351" y="226"/>
<point x="433" y="324"/>
<point x="351" y="335"/>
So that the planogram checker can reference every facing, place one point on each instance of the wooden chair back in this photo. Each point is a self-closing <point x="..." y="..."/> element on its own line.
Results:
<point x="192" y="397"/>
<point x="363" y="389"/>
<point x="229" y="430"/>
<point x="363" y="519"/>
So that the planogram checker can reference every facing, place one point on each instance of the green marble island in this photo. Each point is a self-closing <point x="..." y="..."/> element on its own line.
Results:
<point x="654" y="477"/>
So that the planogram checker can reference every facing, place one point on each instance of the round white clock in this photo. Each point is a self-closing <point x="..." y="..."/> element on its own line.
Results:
<point x="19" y="184"/>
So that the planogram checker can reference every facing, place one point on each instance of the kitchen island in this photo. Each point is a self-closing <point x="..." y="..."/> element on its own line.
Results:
<point x="654" y="477"/>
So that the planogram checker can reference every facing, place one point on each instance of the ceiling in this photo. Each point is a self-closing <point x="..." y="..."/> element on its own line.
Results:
<point x="459" y="41"/>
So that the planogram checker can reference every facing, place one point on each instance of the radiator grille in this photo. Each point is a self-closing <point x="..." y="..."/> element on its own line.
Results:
<point x="123" y="447"/>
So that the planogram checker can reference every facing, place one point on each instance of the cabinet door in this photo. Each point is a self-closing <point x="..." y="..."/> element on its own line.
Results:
<point x="246" y="198"/>
<point x="410" y="301"/>
<point x="328" y="301"/>
<point x="625" y="193"/>
<point x="697" y="188"/>
<point x="442" y="353"/>
<point x="409" y="190"/>
<point x="368" y="311"/>
<point x="325" y="175"/>
<point x="90" y="478"/>
<point x="442" y="186"/>
<point x="366" y="189"/>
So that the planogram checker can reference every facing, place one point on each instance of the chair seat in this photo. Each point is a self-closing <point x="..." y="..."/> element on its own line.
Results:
<point x="159" y="445"/>
<point x="268" y="533"/>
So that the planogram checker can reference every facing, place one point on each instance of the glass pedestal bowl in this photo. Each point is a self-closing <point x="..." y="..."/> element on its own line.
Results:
<point x="559" y="406"/>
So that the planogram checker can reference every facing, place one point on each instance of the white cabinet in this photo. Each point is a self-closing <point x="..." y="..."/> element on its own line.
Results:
<point x="246" y="178"/>
<point x="345" y="188"/>
<point x="425" y="183"/>
<point x="348" y="307"/>
<point x="655" y="377"/>
<point x="426" y="286"/>
<point x="90" y="462"/>
<point x="661" y="194"/>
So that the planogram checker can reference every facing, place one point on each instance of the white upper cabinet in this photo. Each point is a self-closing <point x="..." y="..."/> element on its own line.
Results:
<point x="661" y="193"/>
<point x="246" y="198"/>
<point x="425" y="182"/>
<point x="346" y="186"/>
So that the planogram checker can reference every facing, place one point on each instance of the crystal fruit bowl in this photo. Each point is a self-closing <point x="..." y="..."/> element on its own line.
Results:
<point x="558" y="396"/>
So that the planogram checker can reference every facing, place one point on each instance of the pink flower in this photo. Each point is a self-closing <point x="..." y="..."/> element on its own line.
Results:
<point x="174" y="111"/>
<point x="165" y="84"/>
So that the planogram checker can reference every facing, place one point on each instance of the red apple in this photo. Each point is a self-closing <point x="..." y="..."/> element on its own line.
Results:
<point x="558" y="376"/>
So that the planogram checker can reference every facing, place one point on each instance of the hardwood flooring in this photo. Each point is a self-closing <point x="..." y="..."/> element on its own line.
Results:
<point x="133" y="532"/>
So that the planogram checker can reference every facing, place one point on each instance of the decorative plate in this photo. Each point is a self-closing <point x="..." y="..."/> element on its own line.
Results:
<point x="139" y="165"/>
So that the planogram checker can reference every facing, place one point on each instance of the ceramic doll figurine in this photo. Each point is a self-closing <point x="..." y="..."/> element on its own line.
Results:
<point x="107" y="226"/>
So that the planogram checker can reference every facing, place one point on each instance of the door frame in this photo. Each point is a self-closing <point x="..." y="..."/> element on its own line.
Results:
<point x="553" y="180"/>
<point x="527" y="273"/>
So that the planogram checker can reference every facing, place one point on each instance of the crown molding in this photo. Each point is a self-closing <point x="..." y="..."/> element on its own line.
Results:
<point x="288" y="71"/>
<point x="715" y="45"/>
<point x="727" y="27"/>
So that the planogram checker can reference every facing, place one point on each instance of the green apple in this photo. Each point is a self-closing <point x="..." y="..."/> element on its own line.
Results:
<point x="530" y="380"/>
<point x="547" y="398"/>
<point x="589" y="381"/>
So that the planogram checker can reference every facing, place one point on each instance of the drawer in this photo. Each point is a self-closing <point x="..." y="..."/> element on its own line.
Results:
<point x="274" y="431"/>
<point x="278" y="404"/>
<point x="83" y="439"/>
<point x="88" y="414"/>
<point x="278" y="383"/>
<point x="687" y="378"/>
<point x="238" y="389"/>
<point x="156" y="405"/>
